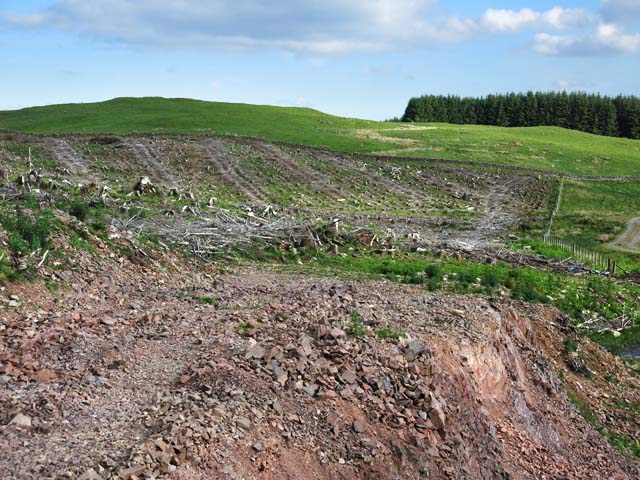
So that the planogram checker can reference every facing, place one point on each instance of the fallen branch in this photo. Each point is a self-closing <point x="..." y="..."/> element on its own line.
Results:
<point x="44" y="257"/>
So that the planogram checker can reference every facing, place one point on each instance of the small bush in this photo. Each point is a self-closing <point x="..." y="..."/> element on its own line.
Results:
<point x="211" y="300"/>
<point x="355" y="327"/>
<point x="570" y="345"/>
<point x="525" y="289"/>
<point x="79" y="209"/>
<point x="26" y="234"/>
<point x="490" y="278"/>
<point x="244" y="328"/>
<point x="510" y="282"/>
<point x="99" y="224"/>
<point x="434" y="271"/>
<point x="467" y="276"/>
<point x="434" y="284"/>
<point x="414" y="279"/>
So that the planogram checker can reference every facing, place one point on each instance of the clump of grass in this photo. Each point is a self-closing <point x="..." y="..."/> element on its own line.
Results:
<point x="570" y="345"/>
<point x="490" y="278"/>
<point x="244" y="328"/>
<point x="355" y="328"/>
<point x="79" y="209"/>
<point x="209" y="299"/>
<point x="388" y="332"/>
<point x="80" y="243"/>
<point x="27" y="234"/>
<point x="99" y="223"/>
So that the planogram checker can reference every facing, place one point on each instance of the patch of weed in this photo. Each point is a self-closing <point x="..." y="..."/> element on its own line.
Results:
<point x="570" y="345"/>
<point x="388" y="332"/>
<point x="355" y="328"/>
<point x="210" y="299"/>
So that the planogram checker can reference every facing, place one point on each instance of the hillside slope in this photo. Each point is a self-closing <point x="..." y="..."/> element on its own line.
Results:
<point x="540" y="147"/>
<point x="235" y="172"/>
<point x="264" y="382"/>
<point x="334" y="330"/>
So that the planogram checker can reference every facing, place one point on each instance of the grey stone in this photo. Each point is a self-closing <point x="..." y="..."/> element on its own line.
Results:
<point x="244" y="423"/>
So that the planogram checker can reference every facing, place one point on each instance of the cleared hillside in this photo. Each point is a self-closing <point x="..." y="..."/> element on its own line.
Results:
<point x="202" y="306"/>
<point x="235" y="173"/>
<point x="549" y="148"/>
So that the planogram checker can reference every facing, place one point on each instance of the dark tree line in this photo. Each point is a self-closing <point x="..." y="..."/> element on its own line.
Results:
<point x="616" y="117"/>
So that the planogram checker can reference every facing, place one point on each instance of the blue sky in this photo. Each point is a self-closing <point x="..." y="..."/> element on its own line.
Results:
<point x="347" y="57"/>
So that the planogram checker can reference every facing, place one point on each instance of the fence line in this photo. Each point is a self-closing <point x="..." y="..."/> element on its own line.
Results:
<point x="600" y="262"/>
<point x="596" y="259"/>
<point x="557" y="209"/>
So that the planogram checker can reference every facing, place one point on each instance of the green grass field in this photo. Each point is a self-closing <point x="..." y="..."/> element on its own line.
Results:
<point x="547" y="148"/>
<point x="593" y="214"/>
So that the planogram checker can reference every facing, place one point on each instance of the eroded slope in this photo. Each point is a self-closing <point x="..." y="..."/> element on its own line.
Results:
<point x="152" y="371"/>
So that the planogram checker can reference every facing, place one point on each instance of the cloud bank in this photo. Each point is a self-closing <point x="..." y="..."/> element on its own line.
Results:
<point x="331" y="26"/>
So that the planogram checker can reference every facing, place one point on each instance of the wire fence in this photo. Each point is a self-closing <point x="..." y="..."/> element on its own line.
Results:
<point x="598" y="261"/>
<point x="555" y="211"/>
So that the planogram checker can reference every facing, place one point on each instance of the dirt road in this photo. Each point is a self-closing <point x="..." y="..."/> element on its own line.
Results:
<point x="629" y="241"/>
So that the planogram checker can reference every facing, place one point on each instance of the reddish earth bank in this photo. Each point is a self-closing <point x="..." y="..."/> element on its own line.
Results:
<point x="164" y="370"/>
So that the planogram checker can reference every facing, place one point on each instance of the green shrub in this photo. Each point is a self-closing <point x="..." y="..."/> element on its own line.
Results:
<point x="570" y="345"/>
<point x="434" y="271"/>
<point x="26" y="234"/>
<point x="434" y="284"/>
<point x="414" y="279"/>
<point x="79" y="209"/>
<point x="99" y="224"/>
<point x="210" y="299"/>
<point x="467" y="276"/>
<point x="524" y="288"/>
<point x="490" y="278"/>
<point x="355" y="327"/>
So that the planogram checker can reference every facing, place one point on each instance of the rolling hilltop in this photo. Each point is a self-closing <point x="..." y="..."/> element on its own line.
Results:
<point x="547" y="148"/>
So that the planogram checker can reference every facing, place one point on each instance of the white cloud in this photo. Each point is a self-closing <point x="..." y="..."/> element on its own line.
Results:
<point x="614" y="37"/>
<point x="547" y="44"/>
<point x="608" y="39"/>
<point x="518" y="20"/>
<point x="508" y="20"/>
<point x="328" y="27"/>
<point x="573" y="84"/>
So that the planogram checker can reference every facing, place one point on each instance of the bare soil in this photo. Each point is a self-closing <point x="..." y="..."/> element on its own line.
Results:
<point x="129" y="373"/>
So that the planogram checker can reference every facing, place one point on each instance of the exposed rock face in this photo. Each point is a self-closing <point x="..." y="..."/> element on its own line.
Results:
<point x="177" y="388"/>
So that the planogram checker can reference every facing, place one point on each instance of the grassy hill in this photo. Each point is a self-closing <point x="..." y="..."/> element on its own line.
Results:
<point x="548" y="148"/>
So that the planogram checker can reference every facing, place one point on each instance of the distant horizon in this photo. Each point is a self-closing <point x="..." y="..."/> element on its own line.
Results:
<point x="391" y="117"/>
<point x="344" y="57"/>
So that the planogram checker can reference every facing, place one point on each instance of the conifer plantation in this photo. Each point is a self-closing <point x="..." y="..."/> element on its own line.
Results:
<point x="591" y="113"/>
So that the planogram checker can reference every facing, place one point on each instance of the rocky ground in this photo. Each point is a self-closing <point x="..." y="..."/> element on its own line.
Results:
<point x="123" y="360"/>
<point x="152" y="368"/>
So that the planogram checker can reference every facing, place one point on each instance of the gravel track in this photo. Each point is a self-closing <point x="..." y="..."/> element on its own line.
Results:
<point x="629" y="241"/>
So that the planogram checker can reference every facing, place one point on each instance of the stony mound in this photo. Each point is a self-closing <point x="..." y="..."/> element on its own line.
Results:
<point x="165" y="371"/>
